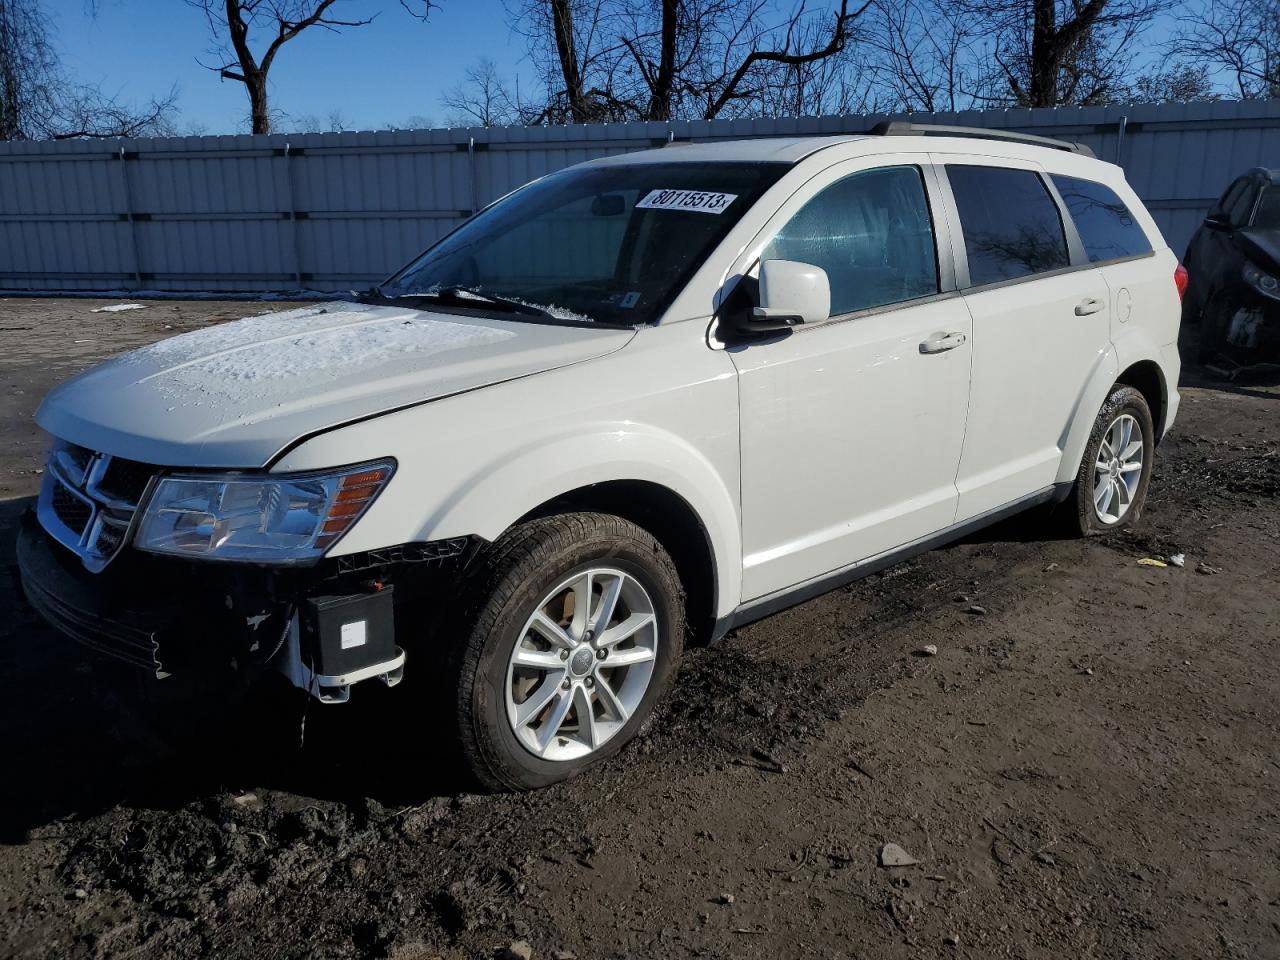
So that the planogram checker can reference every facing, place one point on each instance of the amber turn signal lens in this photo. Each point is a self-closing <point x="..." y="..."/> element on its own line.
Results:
<point x="355" y="492"/>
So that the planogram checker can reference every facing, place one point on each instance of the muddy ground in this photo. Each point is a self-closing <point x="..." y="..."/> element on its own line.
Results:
<point x="1087" y="768"/>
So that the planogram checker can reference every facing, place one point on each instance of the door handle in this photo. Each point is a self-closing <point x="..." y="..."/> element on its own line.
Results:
<point x="940" y="342"/>
<point x="1089" y="305"/>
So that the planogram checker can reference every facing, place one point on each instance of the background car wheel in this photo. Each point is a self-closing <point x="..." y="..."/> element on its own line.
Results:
<point x="574" y="631"/>
<point x="1111" y="487"/>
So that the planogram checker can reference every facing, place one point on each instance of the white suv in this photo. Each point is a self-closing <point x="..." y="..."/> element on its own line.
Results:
<point x="655" y="394"/>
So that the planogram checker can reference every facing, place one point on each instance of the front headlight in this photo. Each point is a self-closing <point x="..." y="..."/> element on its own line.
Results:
<point x="1262" y="282"/>
<point x="258" y="518"/>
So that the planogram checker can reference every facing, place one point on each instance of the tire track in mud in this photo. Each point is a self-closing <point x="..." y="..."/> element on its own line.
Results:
<point x="767" y="690"/>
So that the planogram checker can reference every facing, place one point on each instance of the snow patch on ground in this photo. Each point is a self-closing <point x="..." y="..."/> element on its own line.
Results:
<point x="119" y="308"/>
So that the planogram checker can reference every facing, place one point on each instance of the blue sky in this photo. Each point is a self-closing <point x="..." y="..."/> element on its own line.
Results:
<point x="381" y="74"/>
<point x="389" y="73"/>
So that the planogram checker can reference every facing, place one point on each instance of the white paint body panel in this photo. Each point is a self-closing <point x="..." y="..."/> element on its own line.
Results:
<point x="850" y="440"/>
<point x="798" y="456"/>
<point x="662" y="410"/>
<point x="1032" y="357"/>
<point x="237" y="394"/>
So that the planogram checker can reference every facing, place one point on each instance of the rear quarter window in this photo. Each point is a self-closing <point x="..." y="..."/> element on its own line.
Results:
<point x="1106" y="226"/>
<point x="1010" y="223"/>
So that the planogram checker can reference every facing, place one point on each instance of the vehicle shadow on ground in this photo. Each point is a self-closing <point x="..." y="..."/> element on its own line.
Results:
<point x="85" y="734"/>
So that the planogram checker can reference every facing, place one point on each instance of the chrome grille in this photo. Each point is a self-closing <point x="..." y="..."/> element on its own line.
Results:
<point x="88" y="501"/>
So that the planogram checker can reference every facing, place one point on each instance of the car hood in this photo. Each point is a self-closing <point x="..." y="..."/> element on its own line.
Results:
<point x="1262" y="247"/>
<point x="237" y="394"/>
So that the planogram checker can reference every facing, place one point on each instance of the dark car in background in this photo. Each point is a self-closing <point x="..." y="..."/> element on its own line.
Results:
<point x="1234" y="266"/>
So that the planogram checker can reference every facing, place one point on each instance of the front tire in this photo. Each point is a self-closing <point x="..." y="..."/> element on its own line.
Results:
<point x="575" y="627"/>
<point x="1111" y="485"/>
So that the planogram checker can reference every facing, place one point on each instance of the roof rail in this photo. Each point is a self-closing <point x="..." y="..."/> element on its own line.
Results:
<point x="905" y="128"/>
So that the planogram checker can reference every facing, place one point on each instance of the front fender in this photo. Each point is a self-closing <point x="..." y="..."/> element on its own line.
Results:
<point x="662" y="411"/>
<point x="497" y="494"/>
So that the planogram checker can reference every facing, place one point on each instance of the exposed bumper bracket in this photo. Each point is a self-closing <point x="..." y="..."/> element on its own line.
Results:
<point x="333" y="688"/>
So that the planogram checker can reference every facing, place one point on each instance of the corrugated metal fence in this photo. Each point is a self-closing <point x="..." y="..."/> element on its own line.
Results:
<point x="334" y="211"/>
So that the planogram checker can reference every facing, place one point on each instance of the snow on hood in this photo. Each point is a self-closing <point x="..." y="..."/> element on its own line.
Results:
<point x="236" y="394"/>
<point x="265" y="357"/>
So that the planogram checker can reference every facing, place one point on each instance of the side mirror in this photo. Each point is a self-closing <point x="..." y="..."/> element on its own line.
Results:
<point x="1217" y="223"/>
<point x="791" y="293"/>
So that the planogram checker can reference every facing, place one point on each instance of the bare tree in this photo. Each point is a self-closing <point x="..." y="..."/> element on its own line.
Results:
<point x="483" y="99"/>
<point x="576" y="56"/>
<point x="1240" y="38"/>
<point x="665" y="59"/>
<point x="845" y="82"/>
<point x="88" y="112"/>
<point x="1179" y="83"/>
<point x="237" y="24"/>
<point x="332" y="122"/>
<point x="926" y="55"/>
<point x="758" y="49"/>
<point x="28" y="70"/>
<point x="1052" y="52"/>
<point x="38" y="101"/>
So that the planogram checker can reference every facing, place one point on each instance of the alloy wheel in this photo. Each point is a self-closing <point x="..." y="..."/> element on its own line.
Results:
<point x="1118" y="469"/>
<point x="582" y="664"/>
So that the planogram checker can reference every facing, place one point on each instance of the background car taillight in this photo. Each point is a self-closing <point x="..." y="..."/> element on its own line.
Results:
<point x="1180" y="280"/>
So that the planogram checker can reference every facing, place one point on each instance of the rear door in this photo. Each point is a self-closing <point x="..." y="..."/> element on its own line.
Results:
<point x="1115" y="244"/>
<point x="1040" y="327"/>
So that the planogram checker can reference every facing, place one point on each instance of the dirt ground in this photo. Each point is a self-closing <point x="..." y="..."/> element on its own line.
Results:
<point x="1087" y="768"/>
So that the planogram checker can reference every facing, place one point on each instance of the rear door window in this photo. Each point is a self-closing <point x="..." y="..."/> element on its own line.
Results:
<point x="871" y="233"/>
<point x="1106" y="227"/>
<point x="1010" y="222"/>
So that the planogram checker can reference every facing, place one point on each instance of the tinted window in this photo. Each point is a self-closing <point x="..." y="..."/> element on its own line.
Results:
<point x="1267" y="215"/>
<point x="871" y="233"/>
<point x="1011" y="224"/>
<point x="1242" y="207"/>
<point x="1228" y="198"/>
<point x="1107" y="228"/>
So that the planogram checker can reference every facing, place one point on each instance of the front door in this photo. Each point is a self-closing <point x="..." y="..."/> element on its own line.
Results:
<point x="851" y="429"/>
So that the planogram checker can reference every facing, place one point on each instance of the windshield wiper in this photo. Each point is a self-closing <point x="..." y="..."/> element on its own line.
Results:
<point x="464" y="297"/>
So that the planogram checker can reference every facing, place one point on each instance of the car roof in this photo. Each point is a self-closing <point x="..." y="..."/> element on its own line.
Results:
<point x="745" y="150"/>
<point x="792" y="150"/>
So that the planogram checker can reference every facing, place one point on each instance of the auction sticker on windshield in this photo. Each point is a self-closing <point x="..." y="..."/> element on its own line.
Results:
<point x="697" y="201"/>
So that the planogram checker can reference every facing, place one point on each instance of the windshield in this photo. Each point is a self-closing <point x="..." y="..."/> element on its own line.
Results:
<point x="1267" y="216"/>
<point x="593" y="244"/>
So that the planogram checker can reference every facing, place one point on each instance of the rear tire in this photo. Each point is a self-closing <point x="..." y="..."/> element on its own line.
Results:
<point x="544" y="690"/>
<point x="1121" y="446"/>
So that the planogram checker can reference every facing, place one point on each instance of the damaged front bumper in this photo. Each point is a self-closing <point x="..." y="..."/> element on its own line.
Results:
<point x="1255" y="328"/>
<point x="324" y="628"/>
